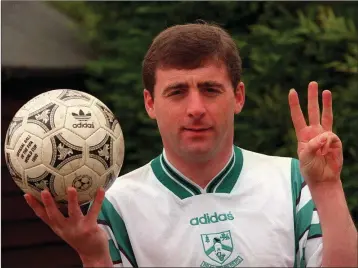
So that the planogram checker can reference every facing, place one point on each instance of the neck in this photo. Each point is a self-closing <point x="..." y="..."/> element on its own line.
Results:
<point x="200" y="172"/>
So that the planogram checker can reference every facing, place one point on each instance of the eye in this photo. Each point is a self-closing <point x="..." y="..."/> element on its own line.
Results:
<point x="175" y="92"/>
<point x="212" y="90"/>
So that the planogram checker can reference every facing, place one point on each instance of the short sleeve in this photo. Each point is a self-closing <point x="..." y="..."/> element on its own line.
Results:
<point x="111" y="222"/>
<point x="308" y="232"/>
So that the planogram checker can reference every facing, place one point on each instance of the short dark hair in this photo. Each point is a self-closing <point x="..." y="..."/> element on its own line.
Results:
<point x="190" y="46"/>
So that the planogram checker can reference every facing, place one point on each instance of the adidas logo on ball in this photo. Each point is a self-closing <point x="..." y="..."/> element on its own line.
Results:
<point x="83" y="125"/>
<point x="81" y="116"/>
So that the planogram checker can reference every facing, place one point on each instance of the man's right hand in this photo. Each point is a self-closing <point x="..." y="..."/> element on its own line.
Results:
<point x="80" y="231"/>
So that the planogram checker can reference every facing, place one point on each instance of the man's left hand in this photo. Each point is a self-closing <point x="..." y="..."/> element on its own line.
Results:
<point x="319" y="149"/>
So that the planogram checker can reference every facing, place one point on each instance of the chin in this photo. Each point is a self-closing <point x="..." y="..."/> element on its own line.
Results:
<point x="198" y="153"/>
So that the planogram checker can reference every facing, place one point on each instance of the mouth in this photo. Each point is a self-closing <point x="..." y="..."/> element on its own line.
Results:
<point x="197" y="130"/>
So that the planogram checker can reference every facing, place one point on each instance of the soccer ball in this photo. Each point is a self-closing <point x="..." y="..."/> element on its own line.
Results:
<point x="64" y="138"/>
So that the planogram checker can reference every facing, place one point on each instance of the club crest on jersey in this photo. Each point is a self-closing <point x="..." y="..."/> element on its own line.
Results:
<point x="219" y="247"/>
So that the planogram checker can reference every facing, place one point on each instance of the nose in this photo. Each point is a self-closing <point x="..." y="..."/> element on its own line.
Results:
<point x="196" y="106"/>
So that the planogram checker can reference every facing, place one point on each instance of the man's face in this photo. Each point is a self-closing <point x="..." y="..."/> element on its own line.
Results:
<point x="195" y="110"/>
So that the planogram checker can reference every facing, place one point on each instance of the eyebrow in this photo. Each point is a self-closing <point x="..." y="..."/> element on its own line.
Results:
<point x="184" y="85"/>
<point x="174" y="86"/>
<point x="210" y="83"/>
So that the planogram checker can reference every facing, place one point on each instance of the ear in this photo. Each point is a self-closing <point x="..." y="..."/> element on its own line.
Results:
<point x="239" y="97"/>
<point x="149" y="103"/>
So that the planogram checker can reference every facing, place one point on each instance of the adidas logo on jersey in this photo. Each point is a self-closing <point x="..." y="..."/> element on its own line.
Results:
<point x="207" y="219"/>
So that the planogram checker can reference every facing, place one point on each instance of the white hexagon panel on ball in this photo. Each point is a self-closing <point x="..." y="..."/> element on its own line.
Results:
<point x="28" y="150"/>
<point x="82" y="121"/>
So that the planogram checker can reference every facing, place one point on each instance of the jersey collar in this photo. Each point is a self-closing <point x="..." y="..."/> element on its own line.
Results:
<point x="183" y="187"/>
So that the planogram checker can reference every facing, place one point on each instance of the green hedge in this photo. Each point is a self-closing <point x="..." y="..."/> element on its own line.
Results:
<point x="283" y="45"/>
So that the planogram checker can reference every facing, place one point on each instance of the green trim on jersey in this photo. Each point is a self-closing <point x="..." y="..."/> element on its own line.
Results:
<point x="192" y="188"/>
<point x="303" y="216"/>
<point x="110" y="215"/>
<point x="296" y="182"/>
<point x="218" y="178"/>
<point x="228" y="180"/>
<point x="315" y="231"/>
<point x="163" y="176"/>
<point x="115" y="255"/>
<point x="183" y="188"/>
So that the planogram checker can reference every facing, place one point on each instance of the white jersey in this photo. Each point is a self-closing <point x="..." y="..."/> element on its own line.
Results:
<point x="257" y="211"/>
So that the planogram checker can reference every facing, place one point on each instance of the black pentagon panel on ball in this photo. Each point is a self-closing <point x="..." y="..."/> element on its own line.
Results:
<point x="103" y="151"/>
<point x="14" y="125"/>
<point x="72" y="94"/>
<point x="64" y="151"/>
<point x="44" y="117"/>
<point x="42" y="182"/>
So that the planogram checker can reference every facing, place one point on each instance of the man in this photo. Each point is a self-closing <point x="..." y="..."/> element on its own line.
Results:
<point x="203" y="201"/>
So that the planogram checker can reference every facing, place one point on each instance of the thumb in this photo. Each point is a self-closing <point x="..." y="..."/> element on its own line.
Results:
<point x="309" y="151"/>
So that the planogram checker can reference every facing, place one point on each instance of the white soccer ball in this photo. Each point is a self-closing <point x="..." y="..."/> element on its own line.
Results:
<point x="64" y="138"/>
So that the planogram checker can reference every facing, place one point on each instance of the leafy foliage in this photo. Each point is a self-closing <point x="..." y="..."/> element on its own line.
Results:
<point x="283" y="45"/>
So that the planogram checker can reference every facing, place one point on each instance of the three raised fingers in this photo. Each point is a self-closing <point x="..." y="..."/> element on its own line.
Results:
<point x="297" y="116"/>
